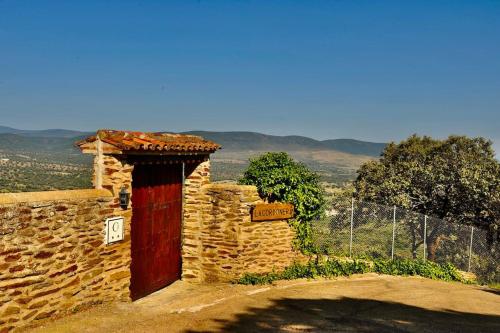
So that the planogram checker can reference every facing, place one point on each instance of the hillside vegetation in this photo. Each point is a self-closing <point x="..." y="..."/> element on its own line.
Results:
<point x="47" y="159"/>
<point x="264" y="142"/>
<point x="335" y="160"/>
<point x="49" y="133"/>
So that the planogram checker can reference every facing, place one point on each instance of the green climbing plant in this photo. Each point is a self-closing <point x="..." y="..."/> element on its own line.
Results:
<point x="334" y="267"/>
<point x="279" y="178"/>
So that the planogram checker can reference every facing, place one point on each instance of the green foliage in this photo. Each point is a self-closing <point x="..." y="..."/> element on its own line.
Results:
<point x="42" y="171"/>
<point x="457" y="179"/>
<point x="279" y="178"/>
<point x="428" y="269"/>
<point x="42" y="164"/>
<point x="334" y="267"/>
<point x="254" y="279"/>
<point x="494" y="286"/>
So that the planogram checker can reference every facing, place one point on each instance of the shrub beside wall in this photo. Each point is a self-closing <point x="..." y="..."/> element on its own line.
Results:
<point x="334" y="267"/>
<point x="279" y="178"/>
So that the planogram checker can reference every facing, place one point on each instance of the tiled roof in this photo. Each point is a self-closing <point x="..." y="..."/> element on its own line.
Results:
<point x="141" y="141"/>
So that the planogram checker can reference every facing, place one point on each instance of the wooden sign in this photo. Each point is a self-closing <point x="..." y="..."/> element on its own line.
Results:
<point x="273" y="211"/>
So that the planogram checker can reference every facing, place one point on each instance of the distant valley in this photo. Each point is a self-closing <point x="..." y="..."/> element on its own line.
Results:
<point x="335" y="160"/>
<point x="48" y="160"/>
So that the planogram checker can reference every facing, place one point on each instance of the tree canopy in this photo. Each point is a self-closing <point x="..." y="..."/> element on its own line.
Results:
<point x="279" y="178"/>
<point x="456" y="179"/>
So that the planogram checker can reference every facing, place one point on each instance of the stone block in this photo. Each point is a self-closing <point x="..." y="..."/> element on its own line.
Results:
<point x="11" y="310"/>
<point x="119" y="275"/>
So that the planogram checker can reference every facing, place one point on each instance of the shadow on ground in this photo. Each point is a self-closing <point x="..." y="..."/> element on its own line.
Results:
<point x="493" y="291"/>
<point x="354" y="315"/>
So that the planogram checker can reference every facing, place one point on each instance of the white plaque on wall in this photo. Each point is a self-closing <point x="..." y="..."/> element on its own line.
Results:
<point x="114" y="230"/>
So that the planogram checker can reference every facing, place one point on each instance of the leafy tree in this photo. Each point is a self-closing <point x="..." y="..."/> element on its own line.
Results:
<point x="457" y="179"/>
<point x="279" y="178"/>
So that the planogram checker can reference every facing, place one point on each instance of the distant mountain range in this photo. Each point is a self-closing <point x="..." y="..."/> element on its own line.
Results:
<point x="234" y="141"/>
<point x="335" y="160"/>
<point x="49" y="133"/>
<point x="230" y="141"/>
<point x="18" y="142"/>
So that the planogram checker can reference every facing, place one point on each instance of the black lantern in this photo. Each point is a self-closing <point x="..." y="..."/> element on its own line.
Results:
<point x="124" y="198"/>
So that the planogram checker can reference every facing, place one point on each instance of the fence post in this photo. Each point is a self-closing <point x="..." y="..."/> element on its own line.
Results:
<point x="393" y="232"/>
<point x="470" y="247"/>
<point x="352" y="223"/>
<point x="425" y="237"/>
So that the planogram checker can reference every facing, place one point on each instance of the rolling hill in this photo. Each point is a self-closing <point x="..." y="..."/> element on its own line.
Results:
<point x="49" y="133"/>
<point x="36" y="158"/>
<point x="236" y="141"/>
<point x="356" y="146"/>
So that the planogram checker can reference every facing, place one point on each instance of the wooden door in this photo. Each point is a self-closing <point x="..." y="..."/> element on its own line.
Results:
<point x="156" y="227"/>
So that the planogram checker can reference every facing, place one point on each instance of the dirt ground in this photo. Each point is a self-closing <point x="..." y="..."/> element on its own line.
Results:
<point x="366" y="303"/>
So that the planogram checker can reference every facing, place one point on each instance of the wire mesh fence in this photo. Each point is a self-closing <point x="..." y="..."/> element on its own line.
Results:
<point x="369" y="230"/>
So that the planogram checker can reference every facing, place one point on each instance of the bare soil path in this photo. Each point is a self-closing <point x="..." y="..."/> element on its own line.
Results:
<point x="366" y="303"/>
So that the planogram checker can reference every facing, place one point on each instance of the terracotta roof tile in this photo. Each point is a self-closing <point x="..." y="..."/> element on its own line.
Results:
<point x="142" y="141"/>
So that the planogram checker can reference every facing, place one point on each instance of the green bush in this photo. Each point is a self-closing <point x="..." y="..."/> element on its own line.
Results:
<point x="334" y="267"/>
<point x="279" y="178"/>
<point x="428" y="269"/>
<point x="253" y="279"/>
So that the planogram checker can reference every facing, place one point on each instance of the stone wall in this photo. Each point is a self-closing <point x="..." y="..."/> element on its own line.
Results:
<point x="112" y="173"/>
<point x="195" y="201"/>
<point x="221" y="242"/>
<point x="52" y="254"/>
<point x="53" y="259"/>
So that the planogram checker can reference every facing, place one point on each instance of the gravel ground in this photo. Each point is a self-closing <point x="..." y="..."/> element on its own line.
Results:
<point x="364" y="303"/>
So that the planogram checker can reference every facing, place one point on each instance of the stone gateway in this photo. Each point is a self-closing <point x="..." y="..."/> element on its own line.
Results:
<point x="54" y="254"/>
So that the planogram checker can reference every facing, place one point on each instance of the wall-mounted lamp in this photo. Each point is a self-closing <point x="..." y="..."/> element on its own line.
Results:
<point x="124" y="198"/>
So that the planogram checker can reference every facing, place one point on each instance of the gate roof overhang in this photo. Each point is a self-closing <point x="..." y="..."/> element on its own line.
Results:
<point x="143" y="143"/>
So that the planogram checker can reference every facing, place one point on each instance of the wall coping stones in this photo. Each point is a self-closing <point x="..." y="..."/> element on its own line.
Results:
<point x="14" y="198"/>
<point x="230" y="187"/>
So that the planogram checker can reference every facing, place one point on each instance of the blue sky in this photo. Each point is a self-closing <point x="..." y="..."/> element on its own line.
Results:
<point x="373" y="70"/>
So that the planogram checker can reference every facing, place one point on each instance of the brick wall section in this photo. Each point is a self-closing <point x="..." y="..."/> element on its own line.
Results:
<point x="225" y="243"/>
<point x="52" y="255"/>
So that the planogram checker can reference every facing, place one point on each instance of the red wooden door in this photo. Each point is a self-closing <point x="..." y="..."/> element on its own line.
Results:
<point x="156" y="227"/>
